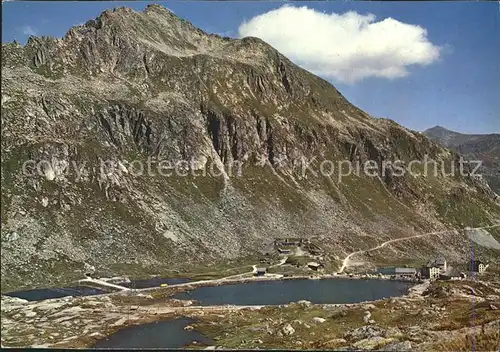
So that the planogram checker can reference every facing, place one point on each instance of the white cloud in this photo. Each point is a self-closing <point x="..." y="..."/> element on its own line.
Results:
<point x="347" y="47"/>
<point x="28" y="30"/>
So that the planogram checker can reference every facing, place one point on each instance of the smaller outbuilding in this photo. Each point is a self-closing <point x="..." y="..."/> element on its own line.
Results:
<point x="260" y="272"/>
<point x="405" y="272"/>
<point x="315" y="266"/>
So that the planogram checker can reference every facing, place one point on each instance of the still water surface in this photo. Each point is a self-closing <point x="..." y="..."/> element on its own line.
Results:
<point x="161" y="334"/>
<point x="171" y="334"/>
<point x="48" y="293"/>
<point x="286" y="291"/>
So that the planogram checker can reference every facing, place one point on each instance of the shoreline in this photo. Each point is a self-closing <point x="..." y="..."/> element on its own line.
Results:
<point x="134" y="313"/>
<point x="188" y="286"/>
<point x="173" y="313"/>
<point x="220" y="282"/>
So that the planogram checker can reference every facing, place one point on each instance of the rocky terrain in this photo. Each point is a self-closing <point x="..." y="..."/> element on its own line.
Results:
<point x="484" y="147"/>
<point x="81" y="113"/>
<point x="432" y="317"/>
<point x="419" y="321"/>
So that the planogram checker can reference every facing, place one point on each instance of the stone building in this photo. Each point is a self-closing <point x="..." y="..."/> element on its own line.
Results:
<point x="477" y="266"/>
<point x="430" y="272"/>
<point x="405" y="272"/>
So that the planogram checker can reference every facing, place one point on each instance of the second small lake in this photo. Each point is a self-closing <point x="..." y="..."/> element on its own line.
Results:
<point x="160" y="334"/>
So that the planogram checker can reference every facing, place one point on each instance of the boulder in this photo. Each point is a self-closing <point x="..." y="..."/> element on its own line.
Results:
<point x="30" y="314"/>
<point x="288" y="330"/>
<point x="8" y="300"/>
<point x="120" y="321"/>
<point x="365" y="332"/>
<point x="304" y="303"/>
<point x="13" y="236"/>
<point x="397" y="346"/>
<point x="371" y="343"/>
<point x="336" y="342"/>
<point x="367" y="317"/>
<point x="393" y="332"/>
<point x="318" y="320"/>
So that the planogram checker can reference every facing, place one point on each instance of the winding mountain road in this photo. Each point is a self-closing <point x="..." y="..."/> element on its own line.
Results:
<point x="103" y="283"/>
<point x="347" y="259"/>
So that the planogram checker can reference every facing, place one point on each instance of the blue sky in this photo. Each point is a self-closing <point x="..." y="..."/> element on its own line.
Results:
<point x="460" y="90"/>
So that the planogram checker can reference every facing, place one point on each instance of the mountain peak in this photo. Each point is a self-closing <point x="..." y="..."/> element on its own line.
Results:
<point x="440" y="131"/>
<point x="157" y="8"/>
<point x="484" y="147"/>
<point x="437" y="128"/>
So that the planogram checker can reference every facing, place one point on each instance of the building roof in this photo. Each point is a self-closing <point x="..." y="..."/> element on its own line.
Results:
<point x="313" y="264"/>
<point x="440" y="261"/>
<point x="405" y="270"/>
<point x="261" y="269"/>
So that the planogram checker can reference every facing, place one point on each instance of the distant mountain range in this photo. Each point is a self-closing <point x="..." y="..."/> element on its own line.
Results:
<point x="485" y="147"/>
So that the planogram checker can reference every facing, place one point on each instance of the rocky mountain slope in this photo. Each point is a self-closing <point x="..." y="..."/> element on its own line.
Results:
<point x="484" y="147"/>
<point x="129" y="87"/>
